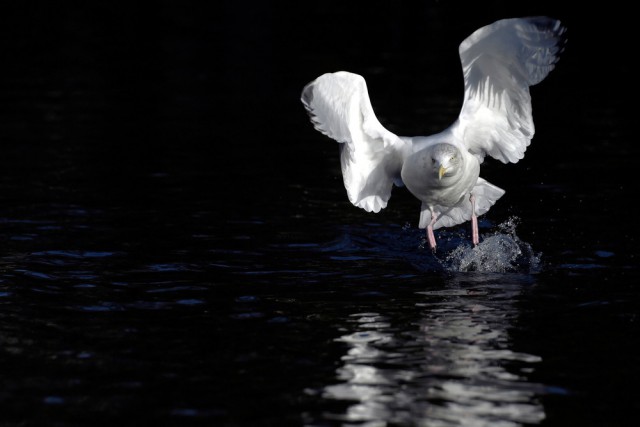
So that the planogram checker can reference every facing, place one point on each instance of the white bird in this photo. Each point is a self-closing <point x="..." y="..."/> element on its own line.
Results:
<point x="500" y="62"/>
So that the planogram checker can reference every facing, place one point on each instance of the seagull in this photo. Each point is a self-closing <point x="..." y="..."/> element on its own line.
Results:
<point x="500" y="61"/>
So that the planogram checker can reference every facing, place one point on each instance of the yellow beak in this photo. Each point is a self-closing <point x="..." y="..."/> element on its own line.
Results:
<point x="441" y="172"/>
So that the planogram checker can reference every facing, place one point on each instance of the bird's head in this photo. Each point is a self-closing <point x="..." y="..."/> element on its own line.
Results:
<point x="445" y="160"/>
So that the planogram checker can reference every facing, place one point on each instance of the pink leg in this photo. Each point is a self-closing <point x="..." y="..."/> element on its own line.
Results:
<point x="475" y="236"/>
<point x="430" y="236"/>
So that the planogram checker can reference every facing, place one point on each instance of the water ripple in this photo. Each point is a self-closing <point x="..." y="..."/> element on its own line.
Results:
<point x="454" y="368"/>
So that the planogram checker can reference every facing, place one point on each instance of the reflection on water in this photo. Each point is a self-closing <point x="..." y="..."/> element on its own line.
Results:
<point x="336" y="326"/>
<point x="453" y="366"/>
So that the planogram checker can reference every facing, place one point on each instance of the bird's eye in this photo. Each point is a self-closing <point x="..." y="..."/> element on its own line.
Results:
<point x="433" y="161"/>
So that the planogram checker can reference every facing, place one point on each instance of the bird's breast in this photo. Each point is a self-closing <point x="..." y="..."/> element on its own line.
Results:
<point x="423" y="182"/>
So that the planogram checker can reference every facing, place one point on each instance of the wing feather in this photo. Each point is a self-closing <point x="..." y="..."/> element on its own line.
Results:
<point x="500" y="62"/>
<point x="339" y="107"/>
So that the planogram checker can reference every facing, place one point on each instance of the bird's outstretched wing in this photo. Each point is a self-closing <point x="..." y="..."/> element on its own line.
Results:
<point x="339" y="107"/>
<point x="499" y="62"/>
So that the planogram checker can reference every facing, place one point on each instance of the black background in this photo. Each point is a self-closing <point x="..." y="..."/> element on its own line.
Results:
<point x="118" y="90"/>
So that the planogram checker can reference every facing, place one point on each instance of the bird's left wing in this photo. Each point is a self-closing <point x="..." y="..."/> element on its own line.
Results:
<point x="499" y="62"/>
<point x="339" y="107"/>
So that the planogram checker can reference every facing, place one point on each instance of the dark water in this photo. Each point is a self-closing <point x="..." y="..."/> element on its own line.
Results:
<point x="178" y="247"/>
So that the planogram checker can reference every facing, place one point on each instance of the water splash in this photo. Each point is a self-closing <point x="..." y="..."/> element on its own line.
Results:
<point x="499" y="252"/>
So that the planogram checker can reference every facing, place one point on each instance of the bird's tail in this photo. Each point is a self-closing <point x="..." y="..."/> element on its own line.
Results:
<point x="485" y="194"/>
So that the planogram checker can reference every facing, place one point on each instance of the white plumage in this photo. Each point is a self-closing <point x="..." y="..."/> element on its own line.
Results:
<point x="500" y="62"/>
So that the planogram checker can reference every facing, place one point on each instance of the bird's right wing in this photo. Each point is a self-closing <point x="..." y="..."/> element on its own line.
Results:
<point x="339" y="107"/>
